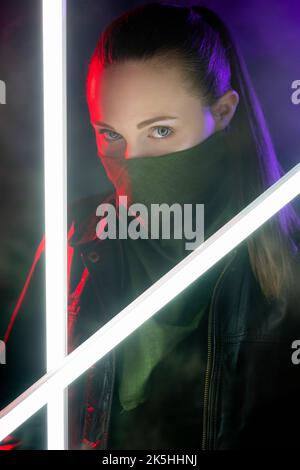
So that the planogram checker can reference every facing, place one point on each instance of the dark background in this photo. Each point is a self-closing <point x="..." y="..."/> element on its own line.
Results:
<point x="269" y="36"/>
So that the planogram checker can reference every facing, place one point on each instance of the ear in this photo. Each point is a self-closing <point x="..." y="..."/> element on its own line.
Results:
<point x="224" y="108"/>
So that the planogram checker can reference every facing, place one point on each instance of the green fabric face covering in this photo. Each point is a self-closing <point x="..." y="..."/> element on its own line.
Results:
<point x="198" y="174"/>
<point x="195" y="175"/>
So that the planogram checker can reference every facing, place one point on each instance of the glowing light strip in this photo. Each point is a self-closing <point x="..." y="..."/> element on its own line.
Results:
<point x="54" y="79"/>
<point x="151" y="301"/>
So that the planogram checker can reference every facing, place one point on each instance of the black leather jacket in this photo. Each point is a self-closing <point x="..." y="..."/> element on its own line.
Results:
<point x="252" y="387"/>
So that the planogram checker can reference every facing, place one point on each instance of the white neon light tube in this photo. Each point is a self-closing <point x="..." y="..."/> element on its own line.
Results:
<point x="151" y="301"/>
<point x="54" y="81"/>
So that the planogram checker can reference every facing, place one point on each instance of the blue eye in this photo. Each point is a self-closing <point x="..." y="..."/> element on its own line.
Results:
<point x="163" y="136"/>
<point x="115" y="136"/>
<point x="104" y="131"/>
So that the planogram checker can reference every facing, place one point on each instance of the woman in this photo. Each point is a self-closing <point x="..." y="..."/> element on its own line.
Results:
<point x="177" y="121"/>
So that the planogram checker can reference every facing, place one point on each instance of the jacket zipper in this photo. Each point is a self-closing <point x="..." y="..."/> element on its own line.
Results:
<point x="210" y="357"/>
<point x="113" y="353"/>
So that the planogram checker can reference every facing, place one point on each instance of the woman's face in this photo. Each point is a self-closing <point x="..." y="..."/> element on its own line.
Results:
<point x="142" y="109"/>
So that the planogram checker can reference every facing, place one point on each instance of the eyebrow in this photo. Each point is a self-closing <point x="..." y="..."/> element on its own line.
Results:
<point x="141" y="124"/>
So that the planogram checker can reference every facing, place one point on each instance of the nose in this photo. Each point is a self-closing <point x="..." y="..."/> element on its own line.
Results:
<point x="135" y="151"/>
<point x="131" y="152"/>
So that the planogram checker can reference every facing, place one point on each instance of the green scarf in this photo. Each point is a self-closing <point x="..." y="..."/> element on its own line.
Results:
<point x="198" y="174"/>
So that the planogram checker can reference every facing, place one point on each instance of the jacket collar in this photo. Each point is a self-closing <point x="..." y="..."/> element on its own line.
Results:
<point x="83" y="214"/>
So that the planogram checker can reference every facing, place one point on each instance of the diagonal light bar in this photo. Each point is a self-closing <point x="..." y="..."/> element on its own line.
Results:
<point x="151" y="301"/>
<point x="54" y="81"/>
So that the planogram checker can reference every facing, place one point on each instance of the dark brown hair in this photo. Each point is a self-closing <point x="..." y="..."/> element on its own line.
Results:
<point x="198" y="40"/>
